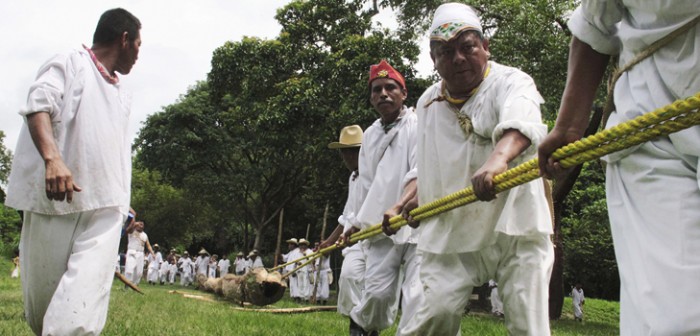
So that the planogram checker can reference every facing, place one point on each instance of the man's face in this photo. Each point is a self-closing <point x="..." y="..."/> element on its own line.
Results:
<point x="139" y="226"/>
<point x="350" y="157"/>
<point x="386" y="96"/>
<point x="128" y="55"/>
<point x="291" y="246"/>
<point x="461" y="62"/>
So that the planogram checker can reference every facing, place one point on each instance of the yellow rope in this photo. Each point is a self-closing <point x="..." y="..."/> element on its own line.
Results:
<point x="677" y="116"/>
<point x="313" y="257"/>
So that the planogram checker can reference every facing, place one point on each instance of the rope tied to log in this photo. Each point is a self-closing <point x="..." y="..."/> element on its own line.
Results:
<point x="668" y="119"/>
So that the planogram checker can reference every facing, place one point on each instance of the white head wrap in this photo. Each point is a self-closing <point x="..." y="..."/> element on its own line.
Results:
<point x="451" y="19"/>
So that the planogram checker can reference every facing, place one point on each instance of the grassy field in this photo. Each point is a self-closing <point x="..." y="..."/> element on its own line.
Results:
<point x="162" y="313"/>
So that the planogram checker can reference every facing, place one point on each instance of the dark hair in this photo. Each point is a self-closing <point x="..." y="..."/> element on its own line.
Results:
<point x="113" y="23"/>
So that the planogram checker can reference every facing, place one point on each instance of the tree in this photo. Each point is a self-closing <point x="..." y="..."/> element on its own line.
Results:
<point x="10" y="221"/>
<point x="255" y="133"/>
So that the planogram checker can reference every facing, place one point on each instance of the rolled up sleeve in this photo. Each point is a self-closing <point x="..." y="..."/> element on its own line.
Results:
<point x="595" y="22"/>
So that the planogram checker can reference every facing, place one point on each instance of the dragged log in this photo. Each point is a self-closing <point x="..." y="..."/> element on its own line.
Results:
<point x="257" y="286"/>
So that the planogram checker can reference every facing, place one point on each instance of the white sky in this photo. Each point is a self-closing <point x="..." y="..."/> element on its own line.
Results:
<point x="178" y="37"/>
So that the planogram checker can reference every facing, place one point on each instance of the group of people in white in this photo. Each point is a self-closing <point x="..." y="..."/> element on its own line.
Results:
<point x="302" y="280"/>
<point x="165" y="270"/>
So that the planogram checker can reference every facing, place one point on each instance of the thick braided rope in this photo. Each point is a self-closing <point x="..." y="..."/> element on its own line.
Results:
<point x="663" y="121"/>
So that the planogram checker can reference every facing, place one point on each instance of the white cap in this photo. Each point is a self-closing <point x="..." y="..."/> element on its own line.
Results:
<point x="451" y="19"/>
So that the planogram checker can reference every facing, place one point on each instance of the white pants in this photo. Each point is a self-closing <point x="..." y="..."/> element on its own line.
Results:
<point x="383" y="280"/>
<point x="133" y="267"/>
<point x="522" y="267"/>
<point x="352" y="279"/>
<point x="186" y="278"/>
<point x="654" y="206"/>
<point x="171" y="276"/>
<point x="153" y="272"/>
<point x="294" y="286"/>
<point x="496" y="303"/>
<point x="303" y="283"/>
<point x="578" y="312"/>
<point x="67" y="270"/>
<point x="323" y="289"/>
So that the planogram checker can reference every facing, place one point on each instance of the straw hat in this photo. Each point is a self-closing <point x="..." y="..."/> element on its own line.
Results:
<point x="155" y="246"/>
<point x="203" y="251"/>
<point x="350" y="137"/>
<point x="240" y="254"/>
<point x="303" y="241"/>
<point x="293" y="241"/>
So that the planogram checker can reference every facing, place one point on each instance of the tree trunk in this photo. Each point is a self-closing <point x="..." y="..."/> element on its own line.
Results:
<point x="560" y="191"/>
<point x="278" y="250"/>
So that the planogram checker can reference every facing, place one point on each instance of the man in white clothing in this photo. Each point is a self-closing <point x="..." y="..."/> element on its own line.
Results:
<point x="474" y="124"/>
<point x="74" y="147"/>
<point x="224" y="265"/>
<point x="652" y="190"/>
<point x="187" y="269"/>
<point x="577" y="300"/>
<point x="240" y="263"/>
<point x="155" y="260"/>
<point x="201" y="263"/>
<point x="352" y="273"/>
<point x="387" y="166"/>
<point x="137" y="242"/>
<point x="293" y="254"/>
<point x="302" y="275"/>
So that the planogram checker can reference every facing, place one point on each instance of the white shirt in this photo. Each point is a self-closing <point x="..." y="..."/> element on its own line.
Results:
<point x="291" y="256"/>
<point x="577" y="296"/>
<point x="201" y="264"/>
<point x="136" y="241"/>
<point x="387" y="163"/>
<point x="240" y="265"/>
<point x="224" y="265"/>
<point x="447" y="159"/>
<point x="352" y="203"/>
<point x="90" y="125"/>
<point x="626" y="28"/>
<point x="186" y="265"/>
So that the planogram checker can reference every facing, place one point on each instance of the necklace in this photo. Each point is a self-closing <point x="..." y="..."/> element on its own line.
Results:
<point x="111" y="79"/>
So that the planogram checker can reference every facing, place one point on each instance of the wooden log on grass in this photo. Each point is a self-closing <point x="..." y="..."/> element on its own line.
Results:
<point x="257" y="286"/>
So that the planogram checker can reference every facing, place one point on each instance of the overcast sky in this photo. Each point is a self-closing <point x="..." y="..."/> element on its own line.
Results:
<point x="178" y="37"/>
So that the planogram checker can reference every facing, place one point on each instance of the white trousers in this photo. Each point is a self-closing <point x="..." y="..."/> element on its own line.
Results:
<point x="67" y="270"/>
<point x="186" y="278"/>
<point x="323" y="290"/>
<point x="171" y="276"/>
<point x="294" y="285"/>
<point x="522" y="267"/>
<point x="133" y="267"/>
<point x="378" y="307"/>
<point x="303" y="283"/>
<point x="496" y="303"/>
<point x="654" y="206"/>
<point x="352" y="279"/>
<point x="578" y="312"/>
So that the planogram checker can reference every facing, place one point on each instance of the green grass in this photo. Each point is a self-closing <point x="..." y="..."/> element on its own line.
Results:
<point x="161" y="313"/>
